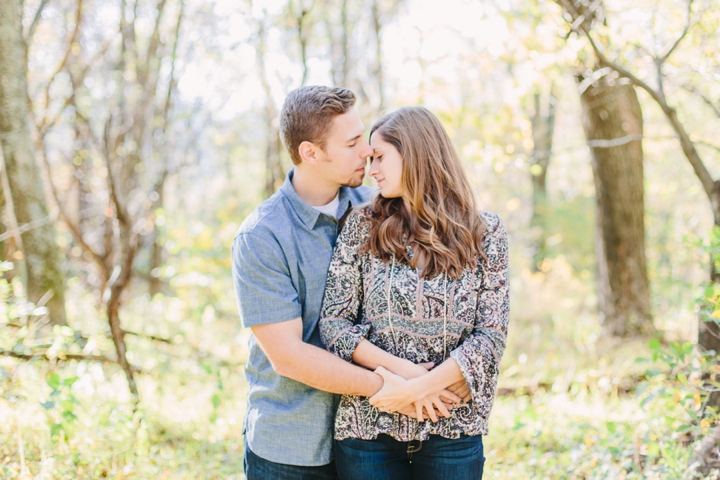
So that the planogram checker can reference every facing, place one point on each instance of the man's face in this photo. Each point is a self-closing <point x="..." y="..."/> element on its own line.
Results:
<point x="346" y="151"/>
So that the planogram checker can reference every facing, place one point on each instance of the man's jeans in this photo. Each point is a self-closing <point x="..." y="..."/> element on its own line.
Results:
<point x="257" y="468"/>
<point x="385" y="458"/>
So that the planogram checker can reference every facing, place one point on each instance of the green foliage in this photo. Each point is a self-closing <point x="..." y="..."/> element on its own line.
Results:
<point x="60" y="405"/>
<point x="588" y="433"/>
<point x="709" y="302"/>
<point x="675" y="394"/>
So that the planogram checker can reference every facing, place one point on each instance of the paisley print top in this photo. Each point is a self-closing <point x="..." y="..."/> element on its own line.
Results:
<point x="465" y="319"/>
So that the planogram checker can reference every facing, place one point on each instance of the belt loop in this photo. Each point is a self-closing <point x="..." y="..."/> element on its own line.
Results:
<point x="412" y="448"/>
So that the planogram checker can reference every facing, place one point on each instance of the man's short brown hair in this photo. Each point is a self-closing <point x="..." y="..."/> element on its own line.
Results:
<point x="307" y="114"/>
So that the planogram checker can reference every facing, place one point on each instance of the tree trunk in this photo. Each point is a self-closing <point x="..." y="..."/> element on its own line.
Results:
<point x="339" y="48"/>
<point x="344" y="42"/>
<point x="3" y="218"/>
<point x="44" y="278"/>
<point x="156" y="254"/>
<point x="273" y="168"/>
<point x="612" y="120"/>
<point x="709" y="331"/>
<point x="129" y="249"/>
<point x="377" y="29"/>
<point x="543" y="128"/>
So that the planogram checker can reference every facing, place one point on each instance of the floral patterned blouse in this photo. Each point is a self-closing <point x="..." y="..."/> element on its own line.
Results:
<point x="421" y="320"/>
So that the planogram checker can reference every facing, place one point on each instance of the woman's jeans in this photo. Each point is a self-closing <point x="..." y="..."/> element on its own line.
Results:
<point x="385" y="458"/>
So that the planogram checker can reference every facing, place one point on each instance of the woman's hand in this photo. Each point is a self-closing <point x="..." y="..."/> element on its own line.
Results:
<point x="396" y="396"/>
<point x="461" y="390"/>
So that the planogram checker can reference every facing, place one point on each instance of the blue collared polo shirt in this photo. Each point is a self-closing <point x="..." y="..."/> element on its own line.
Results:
<point x="280" y="259"/>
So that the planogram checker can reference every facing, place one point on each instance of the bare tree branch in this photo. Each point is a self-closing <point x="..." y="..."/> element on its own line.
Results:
<point x="172" y="83"/>
<point x="120" y="212"/>
<point x="74" y="229"/>
<point x="150" y="337"/>
<point x="61" y="357"/>
<point x="687" y="145"/>
<point x="70" y="100"/>
<point x="689" y="24"/>
<point x="63" y="63"/>
<point x="34" y="24"/>
<point x="701" y="455"/>
<point x="691" y="88"/>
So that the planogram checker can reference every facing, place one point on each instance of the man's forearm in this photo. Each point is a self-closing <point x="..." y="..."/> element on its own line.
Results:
<point x="320" y="369"/>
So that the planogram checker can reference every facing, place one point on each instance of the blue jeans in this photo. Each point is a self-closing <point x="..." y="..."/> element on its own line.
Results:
<point x="385" y="458"/>
<point x="257" y="468"/>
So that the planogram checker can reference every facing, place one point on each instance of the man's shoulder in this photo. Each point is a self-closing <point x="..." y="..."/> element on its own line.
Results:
<point x="261" y="221"/>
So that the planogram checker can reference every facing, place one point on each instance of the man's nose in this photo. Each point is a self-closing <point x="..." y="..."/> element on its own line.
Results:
<point x="366" y="151"/>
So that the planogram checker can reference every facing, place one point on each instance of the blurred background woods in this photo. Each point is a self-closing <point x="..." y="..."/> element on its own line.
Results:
<point x="137" y="135"/>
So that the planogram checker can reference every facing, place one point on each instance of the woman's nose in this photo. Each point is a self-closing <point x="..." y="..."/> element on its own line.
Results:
<point x="373" y="169"/>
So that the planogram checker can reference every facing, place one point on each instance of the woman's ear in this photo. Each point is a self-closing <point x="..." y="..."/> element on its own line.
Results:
<point x="309" y="152"/>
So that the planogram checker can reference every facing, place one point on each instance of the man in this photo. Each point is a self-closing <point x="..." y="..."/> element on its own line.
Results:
<point x="281" y="255"/>
<point x="280" y="259"/>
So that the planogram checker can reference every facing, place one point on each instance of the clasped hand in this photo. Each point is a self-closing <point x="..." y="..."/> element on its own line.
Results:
<point x="409" y="396"/>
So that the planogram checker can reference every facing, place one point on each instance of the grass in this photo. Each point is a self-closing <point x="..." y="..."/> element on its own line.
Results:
<point x="573" y="404"/>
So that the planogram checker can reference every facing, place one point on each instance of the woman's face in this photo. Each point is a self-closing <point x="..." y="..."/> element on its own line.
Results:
<point x="386" y="167"/>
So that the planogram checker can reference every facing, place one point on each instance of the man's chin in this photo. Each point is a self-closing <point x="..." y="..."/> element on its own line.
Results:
<point x="355" y="181"/>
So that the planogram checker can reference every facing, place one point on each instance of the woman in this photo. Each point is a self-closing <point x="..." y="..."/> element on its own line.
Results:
<point x="418" y="277"/>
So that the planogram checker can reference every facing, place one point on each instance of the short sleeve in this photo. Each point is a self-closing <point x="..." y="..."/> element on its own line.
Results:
<point x="263" y="287"/>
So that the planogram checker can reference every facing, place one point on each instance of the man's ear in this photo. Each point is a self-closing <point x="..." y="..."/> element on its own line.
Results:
<point x="310" y="153"/>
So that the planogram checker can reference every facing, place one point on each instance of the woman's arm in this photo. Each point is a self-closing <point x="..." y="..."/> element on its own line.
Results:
<point x="477" y="359"/>
<point x="371" y="356"/>
<point x="368" y="355"/>
<point x="339" y="330"/>
<point x="424" y="392"/>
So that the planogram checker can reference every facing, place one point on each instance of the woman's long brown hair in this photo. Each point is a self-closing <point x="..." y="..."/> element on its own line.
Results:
<point x="443" y="224"/>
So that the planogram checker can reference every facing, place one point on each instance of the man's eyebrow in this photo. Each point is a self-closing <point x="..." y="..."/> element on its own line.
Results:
<point x="354" y="138"/>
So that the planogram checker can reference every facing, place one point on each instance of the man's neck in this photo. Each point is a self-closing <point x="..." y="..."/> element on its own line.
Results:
<point x="313" y="190"/>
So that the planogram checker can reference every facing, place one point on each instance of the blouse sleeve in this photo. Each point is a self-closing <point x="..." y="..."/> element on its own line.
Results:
<point x="340" y="329"/>
<point x="479" y="355"/>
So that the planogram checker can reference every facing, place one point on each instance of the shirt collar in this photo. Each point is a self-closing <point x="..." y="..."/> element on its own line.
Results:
<point x="308" y="214"/>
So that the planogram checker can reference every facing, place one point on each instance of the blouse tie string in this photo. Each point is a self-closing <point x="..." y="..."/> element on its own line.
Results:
<point x="391" y="273"/>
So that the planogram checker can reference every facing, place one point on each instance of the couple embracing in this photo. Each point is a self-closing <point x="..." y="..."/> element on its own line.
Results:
<point x="396" y="299"/>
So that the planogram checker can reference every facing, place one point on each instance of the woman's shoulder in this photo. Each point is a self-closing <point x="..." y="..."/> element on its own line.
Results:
<point x="354" y="226"/>
<point x="495" y="241"/>
<point x="493" y="222"/>
<point x="356" y="216"/>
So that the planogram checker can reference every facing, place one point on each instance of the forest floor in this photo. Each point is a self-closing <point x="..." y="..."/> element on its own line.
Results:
<point x="586" y="424"/>
<point x="571" y="403"/>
